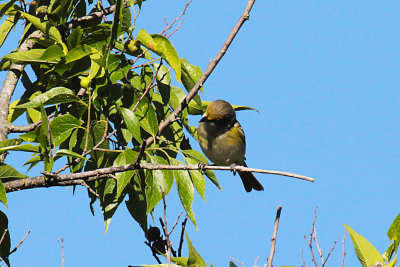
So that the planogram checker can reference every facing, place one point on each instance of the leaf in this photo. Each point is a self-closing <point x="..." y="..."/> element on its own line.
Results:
<point x="366" y="253"/>
<point x="55" y="95"/>
<point x="144" y="38"/>
<point x="185" y="189"/>
<point x="61" y="128"/>
<point x="194" y="257"/>
<point x="6" y="171"/>
<point x="14" y="113"/>
<point x="123" y="178"/>
<point x="196" y="155"/>
<point x="232" y="264"/>
<point x="53" y="53"/>
<point x="149" y="122"/>
<point x="137" y="205"/>
<point x="165" y="49"/>
<point x="25" y="147"/>
<point x="6" y="244"/>
<point x="44" y="27"/>
<point x="5" y="29"/>
<point x="3" y="196"/>
<point x="394" y="230"/>
<point x="10" y="142"/>
<point x="69" y="153"/>
<point x="79" y="52"/>
<point x="131" y="122"/>
<point x="157" y="183"/>
<point x="197" y="178"/>
<point x="27" y="57"/>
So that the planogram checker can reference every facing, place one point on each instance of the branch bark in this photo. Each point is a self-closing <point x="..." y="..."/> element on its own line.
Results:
<point x="50" y="179"/>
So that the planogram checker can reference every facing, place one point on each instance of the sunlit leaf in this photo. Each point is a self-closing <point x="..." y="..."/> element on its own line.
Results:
<point x="55" y="95"/>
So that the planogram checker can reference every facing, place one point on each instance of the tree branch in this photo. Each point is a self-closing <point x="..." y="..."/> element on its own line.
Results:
<point x="273" y="239"/>
<point x="51" y="179"/>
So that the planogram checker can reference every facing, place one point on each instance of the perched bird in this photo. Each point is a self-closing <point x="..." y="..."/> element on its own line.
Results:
<point x="222" y="140"/>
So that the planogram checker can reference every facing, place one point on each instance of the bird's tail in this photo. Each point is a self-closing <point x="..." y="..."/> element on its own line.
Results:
<point x="250" y="181"/>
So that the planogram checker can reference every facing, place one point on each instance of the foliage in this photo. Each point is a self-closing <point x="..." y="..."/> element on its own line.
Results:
<point x="369" y="255"/>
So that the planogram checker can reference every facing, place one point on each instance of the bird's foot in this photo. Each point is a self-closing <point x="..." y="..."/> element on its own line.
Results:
<point x="201" y="167"/>
<point x="233" y="165"/>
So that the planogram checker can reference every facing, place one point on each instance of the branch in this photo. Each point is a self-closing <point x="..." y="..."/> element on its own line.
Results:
<point x="273" y="239"/>
<point x="175" y="114"/>
<point x="51" y="179"/>
<point x="95" y="15"/>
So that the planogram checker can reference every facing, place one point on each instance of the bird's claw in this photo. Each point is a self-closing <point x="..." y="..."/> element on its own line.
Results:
<point x="233" y="165"/>
<point x="201" y="167"/>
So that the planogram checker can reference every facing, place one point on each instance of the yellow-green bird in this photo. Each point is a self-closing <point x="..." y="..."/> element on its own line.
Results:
<point x="222" y="140"/>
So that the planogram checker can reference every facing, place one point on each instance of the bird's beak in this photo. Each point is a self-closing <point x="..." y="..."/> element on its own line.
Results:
<point x="204" y="118"/>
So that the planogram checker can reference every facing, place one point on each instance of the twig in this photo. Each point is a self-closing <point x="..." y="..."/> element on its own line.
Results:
<point x="312" y="252"/>
<point x="176" y="222"/>
<point x="20" y="242"/>
<point x="4" y="234"/>
<point x="255" y="262"/>
<point x="153" y="252"/>
<point x="175" y="20"/>
<point x="344" y="252"/>
<point x="302" y="257"/>
<point x="26" y="128"/>
<point x="273" y="239"/>
<point x="182" y="232"/>
<point x="241" y="263"/>
<point x="327" y="257"/>
<point x="316" y="242"/>
<point x="165" y="228"/>
<point x="62" y="251"/>
<point x="83" y="183"/>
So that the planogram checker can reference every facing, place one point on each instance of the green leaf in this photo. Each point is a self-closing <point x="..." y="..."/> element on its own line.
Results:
<point x="366" y="253"/>
<point x="79" y="52"/>
<point x="132" y="123"/>
<point x="197" y="178"/>
<point x="196" y="155"/>
<point x="53" y="53"/>
<point x="55" y="95"/>
<point x="149" y="122"/>
<point x="10" y="142"/>
<point x="232" y="264"/>
<point x="157" y="183"/>
<point x="144" y="38"/>
<point x="3" y="196"/>
<point x="137" y="204"/>
<point x="5" y="29"/>
<point x="185" y="189"/>
<point x="44" y="27"/>
<point x="27" y="57"/>
<point x="165" y="49"/>
<point x="123" y="178"/>
<point x="194" y="257"/>
<point x="69" y="153"/>
<point x="25" y="147"/>
<point x="61" y="128"/>
<point x="6" y="244"/>
<point x="394" y="230"/>
<point x="6" y="171"/>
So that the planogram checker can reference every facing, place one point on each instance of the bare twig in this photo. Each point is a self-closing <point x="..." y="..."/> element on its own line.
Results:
<point x="312" y="252"/>
<point x="344" y="252"/>
<point x="255" y="262"/>
<point x="20" y="242"/>
<point x="241" y="263"/>
<point x="26" y="128"/>
<point x="153" y="252"/>
<point x="182" y="232"/>
<point x="3" y="235"/>
<point x="176" y="222"/>
<point x="302" y="257"/>
<point x="83" y="183"/>
<point x="314" y="236"/>
<point x="62" y="251"/>
<point x="327" y="257"/>
<point x="175" y="20"/>
<point x="166" y="233"/>
<point x="273" y="239"/>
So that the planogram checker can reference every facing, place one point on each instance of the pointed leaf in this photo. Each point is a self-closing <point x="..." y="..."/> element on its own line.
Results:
<point x="61" y="128"/>
<point x="79" y="52"/>
<point x="3" y="196"/>
<point x="44" y="27"/>
<point x="137" y="204"/>
<point x="27" y="57"/>
<point x="132" y="123"/>
<point x="6" y="171"/>
<point x="6" y="244"/>
<point x="197" y="178"/>
<point x="55" y="95"/>
<point x="366" y="253"/>
<point x="69" y="153"/>
<point x="26" y="148"/>
<point x="194" y="257"/>
<point x="394" y="230"/>
<point x="123" y="178"/>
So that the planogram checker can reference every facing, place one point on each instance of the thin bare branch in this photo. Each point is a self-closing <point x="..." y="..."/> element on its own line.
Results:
<point x="68" y="179"/>
<point x="344" y="252"/>
<point x="176" y="222"/>
<point x="241" y="263"/>
<point x="327" y="257"/>
<point x="62" y="251"/>
<point x="181" y="239"/>
<point x="20" y="242"/>
<point x="273" y="239"/>
<point x="3" y="235"/>
<point x="167" y="27"/>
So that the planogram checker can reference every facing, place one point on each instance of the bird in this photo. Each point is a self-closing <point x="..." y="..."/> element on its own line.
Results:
<point x="223" y="141"/>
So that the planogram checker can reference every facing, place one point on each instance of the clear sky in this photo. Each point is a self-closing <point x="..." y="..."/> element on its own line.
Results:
<point x="324" y="76"/>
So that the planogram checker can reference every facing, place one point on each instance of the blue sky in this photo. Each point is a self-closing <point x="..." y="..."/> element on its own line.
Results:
<point x="324" y="76"/>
